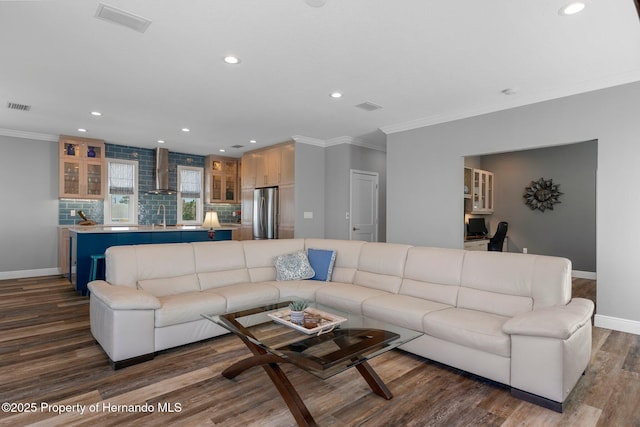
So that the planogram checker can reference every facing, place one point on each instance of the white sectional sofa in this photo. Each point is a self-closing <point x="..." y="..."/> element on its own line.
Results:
<point x="503" y="316"/>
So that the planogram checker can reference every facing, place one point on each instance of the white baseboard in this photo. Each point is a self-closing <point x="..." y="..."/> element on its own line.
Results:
<point x="591" y="275"/>
<point x="21" y="274"/>
<point x="617" y="324"/>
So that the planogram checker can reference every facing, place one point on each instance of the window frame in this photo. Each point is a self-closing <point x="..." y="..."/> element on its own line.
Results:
<point x="199" y="201"/>
<point x="133" y="201"/>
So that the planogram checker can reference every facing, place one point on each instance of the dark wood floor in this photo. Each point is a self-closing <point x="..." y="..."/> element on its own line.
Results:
<point x="48" y="357"/>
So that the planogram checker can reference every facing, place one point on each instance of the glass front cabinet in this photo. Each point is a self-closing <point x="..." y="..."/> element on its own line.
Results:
<point x="478" y="191"/>
<point x="82" y="168"/>
<point x="222" y="179"/>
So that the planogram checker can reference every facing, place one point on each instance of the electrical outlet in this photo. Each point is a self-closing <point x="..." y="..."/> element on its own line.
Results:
<point x="308" y="215"/>
<point x="73" y="212"/>
<point x="524" y="250"/>
<point x="346" y="215"/>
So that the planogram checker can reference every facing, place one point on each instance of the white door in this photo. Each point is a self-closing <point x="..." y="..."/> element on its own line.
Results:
<point x="363" y="224"/>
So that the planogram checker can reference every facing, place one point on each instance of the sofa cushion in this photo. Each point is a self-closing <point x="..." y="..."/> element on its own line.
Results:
<point x="346" y="296"/>
<point x="188" y="307"/>
<point x="243" y="295"/>
<point x="401" y="310"/>
<point x="259" y="255"/>
<point x="469" y="328"/>
<point x="302" y="289"/>
<point x="322" y="261"/>
<point x="170" y="285"/>
<point x="381" y="266"/>
<point x="493" y="302"/>
<point x="294" y="266"/>
<point x="215" y="279"/>
<point x="433" y="274"/>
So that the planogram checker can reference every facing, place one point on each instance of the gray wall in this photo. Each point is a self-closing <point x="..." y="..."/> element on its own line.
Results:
<point x="29" y="216"/>
<point x="432" y="157"/>
<point x="569" y="230"/>
<point x="309" y="190"/>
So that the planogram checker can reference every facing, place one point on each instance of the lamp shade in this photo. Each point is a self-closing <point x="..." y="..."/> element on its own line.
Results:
<point x="211" y="220"/>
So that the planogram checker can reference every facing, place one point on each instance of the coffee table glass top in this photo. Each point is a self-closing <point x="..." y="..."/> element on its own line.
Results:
<point x="324" y="354"/>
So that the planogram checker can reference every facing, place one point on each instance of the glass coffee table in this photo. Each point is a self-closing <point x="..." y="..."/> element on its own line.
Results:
<point x="331" y="342"/>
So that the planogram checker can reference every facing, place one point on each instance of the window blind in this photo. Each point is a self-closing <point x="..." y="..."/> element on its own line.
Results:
<point x="121" y="178"/>
<point x="190" y="183"/>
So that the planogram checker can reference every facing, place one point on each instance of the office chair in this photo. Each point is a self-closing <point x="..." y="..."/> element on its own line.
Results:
<point x="495" y="243"/>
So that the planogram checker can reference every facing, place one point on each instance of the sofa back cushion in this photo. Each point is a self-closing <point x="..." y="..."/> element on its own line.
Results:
<point x="127" y="265"/>
<point x="433" y="274"/>
<point x="162" y="287"/>
<point x="259" y="255"/>
<point x="121" y="266"/>
<point x="381" y="266"/>
<point x="220" y="263"/>
<point x="347" y="255"/>
<point x="509" y="283"/>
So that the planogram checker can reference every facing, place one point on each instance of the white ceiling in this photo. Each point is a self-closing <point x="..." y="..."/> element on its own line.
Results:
<point x="424" y="61"/>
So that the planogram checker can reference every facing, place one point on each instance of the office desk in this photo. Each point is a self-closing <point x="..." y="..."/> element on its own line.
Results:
<point x="476" y="244"/>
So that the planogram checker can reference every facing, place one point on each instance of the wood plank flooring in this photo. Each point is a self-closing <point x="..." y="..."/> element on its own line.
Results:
<point x="48" y="357"/>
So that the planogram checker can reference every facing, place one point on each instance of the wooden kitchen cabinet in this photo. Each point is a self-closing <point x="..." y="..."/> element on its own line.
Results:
<point x="222" y="179"/>
<point x="269" y="167"/>
<point x="82" y="168"/>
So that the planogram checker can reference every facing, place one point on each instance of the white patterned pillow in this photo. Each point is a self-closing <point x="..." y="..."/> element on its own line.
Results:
<point x="293" y="266"/>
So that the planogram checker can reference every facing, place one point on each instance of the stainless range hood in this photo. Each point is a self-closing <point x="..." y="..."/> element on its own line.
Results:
<point x="162" y="173"/>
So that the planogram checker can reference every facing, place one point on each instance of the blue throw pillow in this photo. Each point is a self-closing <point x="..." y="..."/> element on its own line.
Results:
<point x="321" y="261"/>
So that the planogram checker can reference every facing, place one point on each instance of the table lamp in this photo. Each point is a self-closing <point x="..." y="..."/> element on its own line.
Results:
<point x="211" y="221"/>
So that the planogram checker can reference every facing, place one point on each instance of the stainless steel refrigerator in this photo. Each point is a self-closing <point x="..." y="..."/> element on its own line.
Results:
<point x="265" y="213"/>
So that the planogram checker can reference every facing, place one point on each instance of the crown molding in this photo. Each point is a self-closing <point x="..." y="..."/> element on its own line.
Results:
<point x="28" y="135"/>
<point x="336" y="141"/>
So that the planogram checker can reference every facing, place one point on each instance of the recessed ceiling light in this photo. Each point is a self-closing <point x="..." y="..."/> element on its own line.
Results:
<point x="222" y="150"/>
<point x="161" y="141"/>
<point x="186" y="130"/>
<point x="253" y="141"/>
<point x="82" y="130"/>
<point x="231" y="59"/>
<point x="315" y="3"/>
<point x="336" y="95"/>
<point x="96" y="113"/>
<point x="509" y="91"/>
<point x="572" y="8"/>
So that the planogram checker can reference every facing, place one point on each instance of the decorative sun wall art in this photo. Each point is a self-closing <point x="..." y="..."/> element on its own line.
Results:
<point x="542" y="194"/>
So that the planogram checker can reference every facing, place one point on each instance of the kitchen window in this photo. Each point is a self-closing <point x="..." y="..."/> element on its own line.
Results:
<point x="189" y="195"/>
<point x="121" y="203"/>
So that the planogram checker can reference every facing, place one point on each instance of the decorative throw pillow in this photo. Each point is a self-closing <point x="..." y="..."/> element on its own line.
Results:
<point x="293" y="266"/>
<point x="321" y="261"/>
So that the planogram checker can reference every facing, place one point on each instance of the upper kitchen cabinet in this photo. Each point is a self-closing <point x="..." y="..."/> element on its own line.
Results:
<point x="222" y="179"/>
<point x="269" y="167"/>
<point x="82" y="168"/>
<point x="478" y="191"/>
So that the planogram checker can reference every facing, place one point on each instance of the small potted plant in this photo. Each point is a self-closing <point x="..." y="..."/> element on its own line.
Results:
<point x="297" y="308"/>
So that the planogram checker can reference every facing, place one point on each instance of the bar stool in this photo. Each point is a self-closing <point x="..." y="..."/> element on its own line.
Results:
<point x="93" y="271"/>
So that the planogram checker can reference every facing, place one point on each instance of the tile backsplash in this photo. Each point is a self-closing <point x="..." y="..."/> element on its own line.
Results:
<point x="148" y="204"/>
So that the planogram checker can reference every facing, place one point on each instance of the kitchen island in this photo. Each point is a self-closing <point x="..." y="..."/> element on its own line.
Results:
<point x="85" y="241"/>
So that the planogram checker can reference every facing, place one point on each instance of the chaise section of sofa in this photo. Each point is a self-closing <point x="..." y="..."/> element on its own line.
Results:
<point x="506" y="317"/>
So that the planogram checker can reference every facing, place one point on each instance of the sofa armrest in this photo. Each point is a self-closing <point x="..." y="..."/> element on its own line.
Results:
<point x="554" y="322"/>
<point x="122" y="297"/>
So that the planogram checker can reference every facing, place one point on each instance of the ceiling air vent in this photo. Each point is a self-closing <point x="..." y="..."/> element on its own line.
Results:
<point x="119" y="16"/>
<point x="369" y="106"/>
<point x="16" y="106"/>
<point x="237" y="146"/>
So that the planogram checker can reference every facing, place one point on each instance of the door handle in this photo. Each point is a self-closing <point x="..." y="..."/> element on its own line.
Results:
<point x="355" y="229"/>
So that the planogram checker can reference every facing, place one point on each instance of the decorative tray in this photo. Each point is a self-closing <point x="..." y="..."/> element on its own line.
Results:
<point x="326" y="323"/>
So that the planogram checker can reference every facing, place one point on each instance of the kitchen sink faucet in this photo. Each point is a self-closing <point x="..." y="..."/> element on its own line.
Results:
<point x="164" y="215"/>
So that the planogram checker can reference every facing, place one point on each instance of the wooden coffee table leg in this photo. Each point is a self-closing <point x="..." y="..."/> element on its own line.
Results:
<point x="375" y="382"/>
<point x="269" y="363"/>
